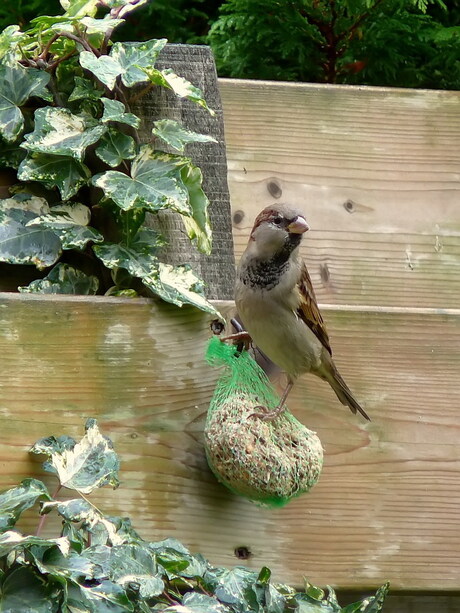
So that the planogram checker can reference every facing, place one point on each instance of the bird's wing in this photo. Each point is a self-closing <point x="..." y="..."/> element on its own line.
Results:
<point x="308" y="309"/>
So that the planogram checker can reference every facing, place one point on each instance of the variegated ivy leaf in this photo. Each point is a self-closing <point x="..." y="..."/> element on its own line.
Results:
<point x="155" y="183"/>
<point x="10" y="39"/>
<point x="24" y="202"/>
<point x="20" y="244"/>
<point x="175" y="135"/>
<point x="115" y="111"/>
<point x="180" y="86"/>
<point x="9" y="541"/>
<point x="128" y="5"/>
<point x="79" y="8"/>
<point x="138" y="259"/>
<point x="17" y="85"/>
<point x="134" y="57"/>
<point x="85" y="90"/>
<point x="69" y="222"/>
<point x="82" y="466"/>
<point x="180" y="285"/>
<point x="115" y="147"/>
<point x="104" y="68"/>
<point x="63" y="279"/>
<point x="17" y="499"/>
<point x="65" y="173"/>
<point x="59" y="132"/>
<point x="101" y="26"/>
<point x="197" y="225"/>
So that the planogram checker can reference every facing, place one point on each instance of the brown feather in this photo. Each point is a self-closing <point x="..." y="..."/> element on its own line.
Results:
<point x="309" y="311"/>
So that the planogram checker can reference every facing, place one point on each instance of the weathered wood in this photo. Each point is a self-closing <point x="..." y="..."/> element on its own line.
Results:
<point x="386" y="505"/>
<point x="376" y="171"/>
<point x="196" y="63"/>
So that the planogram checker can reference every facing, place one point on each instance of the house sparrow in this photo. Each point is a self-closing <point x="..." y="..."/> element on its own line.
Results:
<point x="276" y="302"/>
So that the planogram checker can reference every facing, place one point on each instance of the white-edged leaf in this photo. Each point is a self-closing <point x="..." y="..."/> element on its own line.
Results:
<point x="79" y="8"/>
<point x="17" y="499"/>
<point x="114" y="147"/>
<point x="155" y="183"/>
<point x="176" y="136"/>
<point x="11" y="540"/>
<point x="132" y="58"/>
<point x="69" y="222"/>
<point x="101" y="26"/>
<point x="63" y="279"/>
<point x="65" y="173"/>
<point x="105" y="68"/>
<point x="59" y="132"/>
<point x="180" y="86"/>
<point x="180" y="285"/>
<point x="197" y="225"/>
<point x="115" y="111"/>
<point x="17" y="85"/>
<point x="89" y="464"/>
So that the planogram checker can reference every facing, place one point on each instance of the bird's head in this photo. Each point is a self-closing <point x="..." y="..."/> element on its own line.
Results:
<point x="278" y="228"/>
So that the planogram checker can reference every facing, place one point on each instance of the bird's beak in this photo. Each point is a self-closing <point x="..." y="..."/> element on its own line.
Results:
<point x="298" y="226"/>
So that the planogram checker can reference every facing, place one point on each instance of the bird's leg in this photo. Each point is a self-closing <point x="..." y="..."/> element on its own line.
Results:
<point x="271" y="415"/>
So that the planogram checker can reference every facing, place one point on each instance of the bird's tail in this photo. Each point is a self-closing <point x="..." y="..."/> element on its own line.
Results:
<point x="343" y="392"/>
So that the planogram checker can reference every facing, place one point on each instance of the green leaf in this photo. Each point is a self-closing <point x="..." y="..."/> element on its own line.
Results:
<point x="133" y="58"/>
<point x="115" y="147"/>
<point x="176" y="136"/>
<point x="17" y="85"/>
<point x="373" y="604"/>
<point x="155" y="183"/>
<point x="179" y="285"/>
<point x="65" y="173"/>
<point x="11" y="155"/>
<point x="59" y="132"/>
<point x="91" y="463"/>
<point x="104" y="68"/>
<point x="85" y="89"/>
<point x="17" y="499"/>
<point x="115" y="111"/>
<point x="20" y="244"/>
<point x="180" y="86"/>
<point x="197" y="225"/>
<point x="63" y="279"/>
<point x="15" y="597"/>
<point x="79" y="8"/>
<point x="233" y="587"/>
<point x="69" y="222"/>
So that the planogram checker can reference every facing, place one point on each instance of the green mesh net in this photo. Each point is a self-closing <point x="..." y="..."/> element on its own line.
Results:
<point x="269" y="462"/>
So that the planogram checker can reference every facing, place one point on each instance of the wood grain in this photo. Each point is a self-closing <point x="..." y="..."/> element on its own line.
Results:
<point x="377" y="173"/>
<point x="386" y="505"/>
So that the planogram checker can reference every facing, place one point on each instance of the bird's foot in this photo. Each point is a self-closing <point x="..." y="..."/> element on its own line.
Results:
<point x="237" y="338"/>
<point x="267" y="415"/>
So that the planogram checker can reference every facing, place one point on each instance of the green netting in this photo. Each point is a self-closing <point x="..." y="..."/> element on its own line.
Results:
<point x="269" y="462"/>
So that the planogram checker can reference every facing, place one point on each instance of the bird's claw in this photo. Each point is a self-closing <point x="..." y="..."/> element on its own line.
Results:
<point x="267" y="415"/>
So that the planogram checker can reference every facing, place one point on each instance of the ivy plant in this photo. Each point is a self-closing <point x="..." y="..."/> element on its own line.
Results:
<point x="99" y="563"/>
<point x="86" y="180"/>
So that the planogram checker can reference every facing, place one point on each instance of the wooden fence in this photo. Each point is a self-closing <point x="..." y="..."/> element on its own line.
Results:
<point x="377" y="173"/>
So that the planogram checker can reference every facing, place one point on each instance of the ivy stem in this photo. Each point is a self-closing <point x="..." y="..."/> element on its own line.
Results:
<point x="44" y="517"/>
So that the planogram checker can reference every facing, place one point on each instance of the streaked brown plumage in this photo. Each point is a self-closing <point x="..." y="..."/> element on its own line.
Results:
<point x="277" y="304"/>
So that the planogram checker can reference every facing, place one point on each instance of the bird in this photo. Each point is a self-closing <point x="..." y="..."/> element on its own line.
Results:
<point x="277" y="305"/>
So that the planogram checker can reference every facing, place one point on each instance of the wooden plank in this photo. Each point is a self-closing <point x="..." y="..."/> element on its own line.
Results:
<point x="386" y="506"/>
<point x="376" y="171"/>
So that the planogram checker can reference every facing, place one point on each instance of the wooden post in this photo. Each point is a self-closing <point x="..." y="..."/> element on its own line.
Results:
<point x="196" y="63"/>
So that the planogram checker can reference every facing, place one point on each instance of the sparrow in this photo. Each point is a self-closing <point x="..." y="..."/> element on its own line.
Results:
<point x="276" y="302"/>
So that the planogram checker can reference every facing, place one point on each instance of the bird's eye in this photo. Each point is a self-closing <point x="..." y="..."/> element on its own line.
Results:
<point x="277" y="220"/>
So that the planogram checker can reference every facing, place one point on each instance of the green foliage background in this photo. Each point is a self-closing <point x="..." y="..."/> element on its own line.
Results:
<point x="408" y="43"/>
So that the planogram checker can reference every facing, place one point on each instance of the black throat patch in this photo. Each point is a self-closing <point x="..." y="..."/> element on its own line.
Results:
<point x="266" y="274"/>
